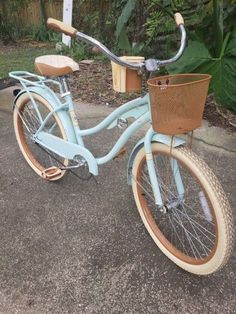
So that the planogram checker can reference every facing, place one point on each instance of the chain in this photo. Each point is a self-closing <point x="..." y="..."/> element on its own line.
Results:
<point x="57" y="160"/>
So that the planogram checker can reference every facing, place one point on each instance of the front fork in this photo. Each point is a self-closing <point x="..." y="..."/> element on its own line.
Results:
<point x="153" y="173"/>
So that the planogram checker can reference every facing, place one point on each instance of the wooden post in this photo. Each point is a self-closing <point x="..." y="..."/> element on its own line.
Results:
<point x="67" y="19"/>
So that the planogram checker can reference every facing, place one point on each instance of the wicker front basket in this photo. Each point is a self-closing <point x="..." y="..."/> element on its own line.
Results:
<point x="177" y="102"/>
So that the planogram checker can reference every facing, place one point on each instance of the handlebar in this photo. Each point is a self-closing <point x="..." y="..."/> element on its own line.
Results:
<point x="178" y="19"/>
<point x="150" y="64"/>
<point x="61" y="27"/>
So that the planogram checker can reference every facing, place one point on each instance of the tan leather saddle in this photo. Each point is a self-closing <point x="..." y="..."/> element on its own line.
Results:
<point x="55" y="65"/>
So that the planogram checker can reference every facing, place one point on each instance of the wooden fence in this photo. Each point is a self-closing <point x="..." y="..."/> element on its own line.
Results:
<point x="36" y="11"/>
<point x="33" y="13"/>
<point x="89" y="16"/>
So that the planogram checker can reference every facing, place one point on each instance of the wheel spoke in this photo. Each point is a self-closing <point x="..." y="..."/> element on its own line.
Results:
<point x="29" y="120"/>
<point x="197" y="225"/>
<point x="150" y="196"/>
<point x="191" y="235"/>
<point x="181" y="221"/>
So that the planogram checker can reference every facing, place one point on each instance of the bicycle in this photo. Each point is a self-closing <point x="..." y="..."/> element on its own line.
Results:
<point x="180" y="200"/>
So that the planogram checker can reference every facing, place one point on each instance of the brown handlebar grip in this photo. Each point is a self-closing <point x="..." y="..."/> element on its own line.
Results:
<point x="179" y="19"/>
<point x="60" y="27"/>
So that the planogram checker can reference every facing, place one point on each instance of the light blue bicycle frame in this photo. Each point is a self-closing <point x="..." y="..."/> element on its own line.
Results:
<point x="74" y="145"/>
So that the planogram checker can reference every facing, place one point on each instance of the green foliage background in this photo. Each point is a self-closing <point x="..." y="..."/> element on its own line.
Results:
<point x="146" y="27"/>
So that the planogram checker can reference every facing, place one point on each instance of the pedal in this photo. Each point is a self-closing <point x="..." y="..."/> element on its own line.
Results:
<point x="51" y="173"/>
<point x="121" y="153"/>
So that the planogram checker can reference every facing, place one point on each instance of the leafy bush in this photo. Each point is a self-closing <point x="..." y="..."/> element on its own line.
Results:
<point x="77" y="51"/>
<point x="212" y="46"/>
<point x="9" y="29"/>
<point x="6" y="30"/>
<point x="146" y="27"/>
<point x="40" y="32"/>
<point x="213" y="50"/>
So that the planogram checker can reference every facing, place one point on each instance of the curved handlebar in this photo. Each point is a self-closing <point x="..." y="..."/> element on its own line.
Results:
<point x="108" y="53"/>
<point x="181" y="48"/>
<point x="151" y="66"/>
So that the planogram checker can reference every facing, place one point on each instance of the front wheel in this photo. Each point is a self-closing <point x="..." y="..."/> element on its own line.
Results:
<point x="194" y="230"/>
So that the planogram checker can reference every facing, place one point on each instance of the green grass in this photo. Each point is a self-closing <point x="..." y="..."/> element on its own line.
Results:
<point x="21" y="59"/>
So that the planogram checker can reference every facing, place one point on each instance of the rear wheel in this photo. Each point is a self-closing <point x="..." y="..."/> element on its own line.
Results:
<point x="196" y="231"/>
<point x="26" y="122"/>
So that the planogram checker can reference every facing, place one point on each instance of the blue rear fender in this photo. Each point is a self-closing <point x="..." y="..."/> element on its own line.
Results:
<point x="157" y="138"/>
<point x="65" y="119"/>
<point x="55" y="103"/>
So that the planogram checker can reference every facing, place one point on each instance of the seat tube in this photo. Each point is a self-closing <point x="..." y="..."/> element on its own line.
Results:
<point x="73" y="117"/>
<point x="151" y="167"/>
<point x="67" y="95"/>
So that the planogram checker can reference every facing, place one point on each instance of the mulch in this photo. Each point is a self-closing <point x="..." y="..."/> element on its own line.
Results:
<point x="219" y="116"/>
<point x="93" y="84"/>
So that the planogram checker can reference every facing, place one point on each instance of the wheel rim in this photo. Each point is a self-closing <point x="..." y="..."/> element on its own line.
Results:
<point x="26" y="123"/>
<point x="187" y="229"/>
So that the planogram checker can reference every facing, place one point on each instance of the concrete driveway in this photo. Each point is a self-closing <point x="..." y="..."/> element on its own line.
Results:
<point x="80" y="246"/>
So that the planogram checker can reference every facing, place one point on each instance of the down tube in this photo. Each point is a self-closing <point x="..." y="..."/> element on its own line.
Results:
<point x="124" y="138"/>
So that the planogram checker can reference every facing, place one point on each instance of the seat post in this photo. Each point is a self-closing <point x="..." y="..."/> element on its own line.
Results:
<point x="64" y="84"/>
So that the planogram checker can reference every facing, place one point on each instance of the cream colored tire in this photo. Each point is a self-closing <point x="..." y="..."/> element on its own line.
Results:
<point x="220" y="210"/>
<point x="29" y="156"/>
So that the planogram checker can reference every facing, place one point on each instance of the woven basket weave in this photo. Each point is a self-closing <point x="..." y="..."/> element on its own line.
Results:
<point x="177" y="102"/>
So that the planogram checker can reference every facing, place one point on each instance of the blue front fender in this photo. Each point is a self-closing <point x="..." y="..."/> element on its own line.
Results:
<point x="158" y="138"/>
